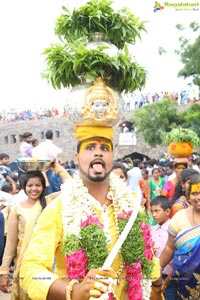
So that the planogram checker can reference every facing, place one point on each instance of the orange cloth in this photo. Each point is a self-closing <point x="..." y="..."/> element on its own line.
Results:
<point x="145" y="190"/>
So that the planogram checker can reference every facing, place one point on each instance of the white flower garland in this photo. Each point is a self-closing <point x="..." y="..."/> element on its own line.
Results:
<point x="77" y="206"/>
<point x="77" y="203"/>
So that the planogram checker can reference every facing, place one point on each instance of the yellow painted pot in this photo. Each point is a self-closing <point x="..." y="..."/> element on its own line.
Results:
<point x="183" y="149"/>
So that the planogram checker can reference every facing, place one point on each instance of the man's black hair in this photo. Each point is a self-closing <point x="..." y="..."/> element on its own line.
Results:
<point x="49" y="135"/>
<point x="26" y="134"/>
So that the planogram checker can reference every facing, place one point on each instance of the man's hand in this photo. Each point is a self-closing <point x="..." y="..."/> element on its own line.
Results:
<point x="156" y="294"/>
<point x="94" y="285"/>
<point x="5" y="284"/>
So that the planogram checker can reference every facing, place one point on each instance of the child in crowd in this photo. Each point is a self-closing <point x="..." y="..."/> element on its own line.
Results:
<point x="145" y="189"/>
<point x="161" y="209"/>
<point x="5" y="171"/>
<point x="120" y="170"/>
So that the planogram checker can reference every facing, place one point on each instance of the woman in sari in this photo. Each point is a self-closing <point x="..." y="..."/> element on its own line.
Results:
<point x="21" y="222"/>
<point x="184" y="245"/>
<point x="180" y="198"/>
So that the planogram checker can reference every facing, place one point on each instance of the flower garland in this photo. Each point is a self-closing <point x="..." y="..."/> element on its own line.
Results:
<point x="85" y="241"/>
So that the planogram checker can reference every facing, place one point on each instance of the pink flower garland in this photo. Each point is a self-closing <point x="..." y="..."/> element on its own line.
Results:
<point x="134" y="279"/>
<point x="147" y="241"/>
<point x="91" y="221"/>
<point x="76" y="262"/>
<point x="134" y="272"/>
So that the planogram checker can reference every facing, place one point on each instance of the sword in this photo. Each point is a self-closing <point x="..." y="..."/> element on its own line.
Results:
<point x="111" y="256"/>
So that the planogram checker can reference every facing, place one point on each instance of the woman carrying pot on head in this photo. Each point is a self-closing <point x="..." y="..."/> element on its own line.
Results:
<point x="180" y="198"/>
<point x="21" y="222"/>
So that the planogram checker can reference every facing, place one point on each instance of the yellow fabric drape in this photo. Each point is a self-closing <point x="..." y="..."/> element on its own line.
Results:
<point x="16" y="291"/>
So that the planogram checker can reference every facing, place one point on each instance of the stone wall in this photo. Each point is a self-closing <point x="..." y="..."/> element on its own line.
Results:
<point x="10" y="138"/>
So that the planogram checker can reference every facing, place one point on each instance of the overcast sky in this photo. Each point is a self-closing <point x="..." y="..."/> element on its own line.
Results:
<point x="27" y="28"/>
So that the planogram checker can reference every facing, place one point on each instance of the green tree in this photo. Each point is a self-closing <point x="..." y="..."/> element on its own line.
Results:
<point x="155" y="119"/>
<point x="191" y="118"/>
<point x="190" y="55"/>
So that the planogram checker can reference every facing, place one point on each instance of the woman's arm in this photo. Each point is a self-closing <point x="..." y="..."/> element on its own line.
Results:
<point x="9" y="252"/>
<point x="12" y="238"/>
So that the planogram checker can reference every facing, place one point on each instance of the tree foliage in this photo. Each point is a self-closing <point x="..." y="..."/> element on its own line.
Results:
<point x="190" y="54"/>
<point x="191" y="118"/>
<point x="155" y="119"/>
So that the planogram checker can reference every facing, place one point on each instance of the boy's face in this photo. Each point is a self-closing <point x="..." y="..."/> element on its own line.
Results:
<point x="5" y="161"/>
<point x="159" y="214"/>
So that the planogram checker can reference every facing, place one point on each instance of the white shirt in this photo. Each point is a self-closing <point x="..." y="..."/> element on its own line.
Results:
<point x="172" y="176"/>
<point x="46" y="150"/>
<point x="133" y="177"/>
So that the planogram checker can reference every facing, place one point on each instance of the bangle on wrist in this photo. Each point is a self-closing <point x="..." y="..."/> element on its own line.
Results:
<point x="157" y="285"/>
<point x="69" y="288"/>
<point x="156" y="289"/>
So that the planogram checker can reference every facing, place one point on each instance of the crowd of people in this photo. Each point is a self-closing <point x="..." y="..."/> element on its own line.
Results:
<point x="170" y="193"/>
<point x="167" y="190"/>
<point x="131" y="102"/>
<point x="12" y="116"/>
<point x="58" y="225"/>
<point x="138" y="100"/>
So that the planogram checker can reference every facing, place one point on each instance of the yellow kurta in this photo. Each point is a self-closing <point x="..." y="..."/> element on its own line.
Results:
<point x="61" y="217"/>
<point x="36" y="267"/>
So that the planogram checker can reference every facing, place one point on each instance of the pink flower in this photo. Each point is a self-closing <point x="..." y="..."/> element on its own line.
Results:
<point x="134" y="279"/>
<point x="76" y="264"/>
<point x="134" y="272"/>
<point x="90" y="221"/>
<point x="146" y="234"/>
<point x="148" y="253"/>
<point x="111" y="296"/>
<point x="135" y="293"/>
<point x="146" y="230"/>
<point x="125" y="215"/>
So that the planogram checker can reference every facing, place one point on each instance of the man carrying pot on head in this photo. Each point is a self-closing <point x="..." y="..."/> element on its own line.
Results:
<point x="80" y="228"/>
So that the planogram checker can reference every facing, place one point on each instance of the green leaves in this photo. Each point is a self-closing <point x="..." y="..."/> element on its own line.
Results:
<point x="97" y="250"/>
<point x="189" y="53"/>
<point x="182" y="135"/>
<point x="70" y="244"/>
<point x="133" y="247"/>
<point x="72" y="63"/>
<point x="134" y="242"/>
<point x="98" y="16"/>
<point x="69" y="64"/>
